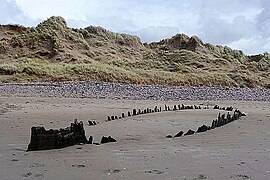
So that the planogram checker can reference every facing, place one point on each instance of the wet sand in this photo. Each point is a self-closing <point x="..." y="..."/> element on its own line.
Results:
<point x="238" y="150"/>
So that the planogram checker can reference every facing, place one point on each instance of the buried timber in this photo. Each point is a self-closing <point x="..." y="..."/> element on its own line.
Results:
<point x="42" y="139"/>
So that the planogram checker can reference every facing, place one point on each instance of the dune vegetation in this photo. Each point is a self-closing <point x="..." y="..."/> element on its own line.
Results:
<point x="54" y="52"/>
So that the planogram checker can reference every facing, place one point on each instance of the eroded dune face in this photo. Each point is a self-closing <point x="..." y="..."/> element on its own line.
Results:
<point x="52" y="51"/>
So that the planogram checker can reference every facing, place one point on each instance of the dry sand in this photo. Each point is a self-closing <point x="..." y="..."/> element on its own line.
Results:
<point x="239" y="150"/>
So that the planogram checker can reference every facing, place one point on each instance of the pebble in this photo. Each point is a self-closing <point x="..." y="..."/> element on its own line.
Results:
<point x="105" y="90"/>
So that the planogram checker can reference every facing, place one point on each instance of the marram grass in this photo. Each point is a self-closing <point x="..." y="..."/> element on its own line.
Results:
<point x="41" y="70"/>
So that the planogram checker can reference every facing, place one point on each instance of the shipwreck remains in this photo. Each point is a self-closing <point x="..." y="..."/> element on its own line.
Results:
<point x="42" y="139"/>
<point x="105" y="139"/>
<point x="220" y="121"/>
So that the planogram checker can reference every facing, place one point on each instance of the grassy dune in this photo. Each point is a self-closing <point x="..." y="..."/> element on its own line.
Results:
<point x="29" y="70"/>
<point x="54" y="52"/>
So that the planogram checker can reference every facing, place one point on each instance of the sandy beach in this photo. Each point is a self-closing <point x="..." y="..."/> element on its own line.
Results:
<point x="239" y="150"/>
<point x="135" y="90"/>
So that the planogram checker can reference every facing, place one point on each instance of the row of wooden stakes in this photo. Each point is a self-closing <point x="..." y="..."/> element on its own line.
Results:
<point x="220" y="121"/>
<point x="136" y="112"/>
